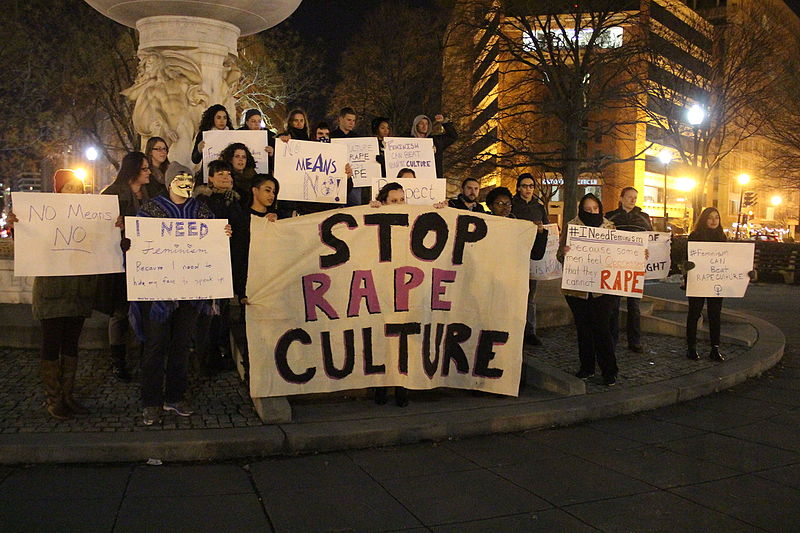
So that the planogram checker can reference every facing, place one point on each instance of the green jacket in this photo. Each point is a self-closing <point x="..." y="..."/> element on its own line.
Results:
<point x="60" y="296"/>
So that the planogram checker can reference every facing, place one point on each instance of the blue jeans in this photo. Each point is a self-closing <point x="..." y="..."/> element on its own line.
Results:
<point x="633" y="326"/>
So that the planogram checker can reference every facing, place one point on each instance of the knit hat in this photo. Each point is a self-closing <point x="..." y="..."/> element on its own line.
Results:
<point x="173" y="170"/>
<point x="62" y="177"/>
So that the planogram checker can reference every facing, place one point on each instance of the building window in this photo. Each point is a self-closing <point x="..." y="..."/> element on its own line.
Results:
<point x="653" y="195"/>
<point x="609" y="38"/>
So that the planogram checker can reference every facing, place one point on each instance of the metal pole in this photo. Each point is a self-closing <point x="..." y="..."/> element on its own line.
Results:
<point x="696" y="191"/>
<point x="666" y="166"/>
<point x="739" y="216"/>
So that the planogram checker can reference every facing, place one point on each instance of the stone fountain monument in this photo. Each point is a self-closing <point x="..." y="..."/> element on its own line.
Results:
<point x="187" y="60"/>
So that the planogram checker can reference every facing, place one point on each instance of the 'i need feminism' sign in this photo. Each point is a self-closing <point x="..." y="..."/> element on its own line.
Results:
<point x="395" y="296"/>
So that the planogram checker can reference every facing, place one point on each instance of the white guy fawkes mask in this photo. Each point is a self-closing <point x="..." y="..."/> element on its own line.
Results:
<point x="182" y="185"/>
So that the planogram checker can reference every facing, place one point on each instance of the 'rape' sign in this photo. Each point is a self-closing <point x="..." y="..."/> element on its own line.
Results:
<point x="395" y="296"/>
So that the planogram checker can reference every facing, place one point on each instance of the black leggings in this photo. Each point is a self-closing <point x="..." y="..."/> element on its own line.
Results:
<point x="60" y="336"/>
<point x="714" y="316"/>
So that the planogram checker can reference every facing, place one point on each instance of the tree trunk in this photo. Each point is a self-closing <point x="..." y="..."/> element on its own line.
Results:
<point x="572" y="170"/>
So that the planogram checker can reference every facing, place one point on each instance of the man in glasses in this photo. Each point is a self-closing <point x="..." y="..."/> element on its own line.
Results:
<point x="525" y="206"/>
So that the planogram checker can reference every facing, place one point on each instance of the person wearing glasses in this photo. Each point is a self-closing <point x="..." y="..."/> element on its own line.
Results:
<point x="468" y="198"/>
<point x="157" y="153"/>
<point x="130" y="187"/>
<point x="525" y="206"/>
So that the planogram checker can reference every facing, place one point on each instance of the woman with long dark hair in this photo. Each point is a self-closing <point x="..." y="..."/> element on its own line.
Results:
<point x="130" y="188"/>
<point x="157" y="153"/>
<point x="241" y="160"/>
<point x="707" y="229"/>
<point x="214" y="118"/>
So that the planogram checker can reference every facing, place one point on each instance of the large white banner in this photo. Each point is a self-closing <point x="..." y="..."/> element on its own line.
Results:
<point x="397" y="295"/>
<point x="659" y="245"/>
<point x="548" y="267"/>
<point x="66" y="234"/>
<point x="177" y="259"/>
<point x="311" y="171"/>
<point x="361" y="154"/>
<point x="605" y="261"/>
<point x="217" y="140"/>
<point x="409" y="152"/>
<point x="417" y="191"/>
<point x="720" y="268"/>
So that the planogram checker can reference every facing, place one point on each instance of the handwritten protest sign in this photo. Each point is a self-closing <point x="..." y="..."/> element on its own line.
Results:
<point x="417" y="191"/>
<point x="217" y="140"/>
<point x="548" y="267"/>
<point x="66" y="234"/>
<point x="720" y="268"/>
<point x="311" y="171"/>
<point x="398" y="295"/>
<point x="409" y="152"/>
<point x="605" y="261"/>
<point x="659" y="245"/>
<point x="177" y="259"/>
<point x="361" y="154"/>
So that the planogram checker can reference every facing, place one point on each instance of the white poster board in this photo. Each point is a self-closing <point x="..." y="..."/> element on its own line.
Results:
<point x="217" y="140"/>
<point x="659" y="245"/>
<point x="177" y="259"/>
<point x="361" y="154"/>
<point x="417" y="191"/>
<point x="66" y="234"/>
<point x="720" y="269"/>
<point x="311" y="171"/>
<point x="337" y="305"/>
<point x="409" y="152"/>
<point x="548" y="267"/>
<point x="605" y="261"/>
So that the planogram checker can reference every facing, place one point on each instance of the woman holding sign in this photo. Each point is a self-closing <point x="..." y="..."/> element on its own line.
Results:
<point x="592" y="311"/>
<point x="215" y="117"/>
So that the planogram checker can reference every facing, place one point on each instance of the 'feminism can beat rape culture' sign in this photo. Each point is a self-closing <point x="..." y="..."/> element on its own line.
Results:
<point x="177" y="259"/>
<point x="311" y="171"/>
<point x="217" y="140"/>
<point x="415" y="153"/>
<point x="605" y="261"/>
<point x="548" y="266"/>
<point x="400" y="295"/>
<point x="66" y="234"/>
<point x="720" y="268"/>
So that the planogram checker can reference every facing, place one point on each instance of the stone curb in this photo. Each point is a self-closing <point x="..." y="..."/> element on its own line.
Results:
<point x="299" y="437"/>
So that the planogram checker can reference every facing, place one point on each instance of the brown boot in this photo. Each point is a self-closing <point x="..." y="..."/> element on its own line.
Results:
<point x="51" y="378"/>
<point x="69" y="367"/>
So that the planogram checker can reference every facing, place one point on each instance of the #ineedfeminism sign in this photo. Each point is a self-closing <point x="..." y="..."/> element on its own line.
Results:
<point x="217" y="140"/>
<point x="417" y="191"/>
<point x="177" y="259"/>
<point x="659" y="261"/>
<point x="409" y="152"/>
<point x="66" y="234"/>
<point x="605" y="261"/>
<point x="361" y="154"/>
<point x="311" y="171"/>
<point x="394" y="296"/>
<point x="548" y="267"/>
<point x="720" y="269"/>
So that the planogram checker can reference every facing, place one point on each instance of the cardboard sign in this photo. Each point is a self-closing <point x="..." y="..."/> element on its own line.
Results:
<point x="311" y="171"/>
<point x="177" y="259"/>
<point x="417" y="191"/>
<point x="217" y="140"/>
<point x="398" y="295"/>
<point x="659" y="245"/>
<point x="361" y="154"/>
<point x="548" y="267"/>
<point x="605" y="261"/>
<point x="409" y="152"/>
<point x="720" y="269"/>
<point x="66" y="234"/>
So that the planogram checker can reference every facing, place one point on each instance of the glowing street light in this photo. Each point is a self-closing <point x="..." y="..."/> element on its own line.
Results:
<point x="80" y="173"/>
<point x="91" y="153"/>
<point x="685" y="184"/>
<point x="743" y="179"/>
<point x="696" y="115"/>
<point x="776" y="200"/>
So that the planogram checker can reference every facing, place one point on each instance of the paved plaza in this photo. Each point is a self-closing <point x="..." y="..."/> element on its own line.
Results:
<point x="728" y="462"/>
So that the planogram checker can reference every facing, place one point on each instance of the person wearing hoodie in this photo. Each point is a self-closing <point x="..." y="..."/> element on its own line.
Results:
<point x="468" y="198"/>
<point x="442" y="132"/>
<point x="526" y="206"/>
<point x="591" y="311"/>
<point x="629" y="217"/>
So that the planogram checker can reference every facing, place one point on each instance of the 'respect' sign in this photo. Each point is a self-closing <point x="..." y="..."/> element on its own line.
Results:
<point x="394" y="296"/>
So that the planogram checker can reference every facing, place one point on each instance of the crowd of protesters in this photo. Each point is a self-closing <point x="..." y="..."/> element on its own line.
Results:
<point x="149" y="185"/>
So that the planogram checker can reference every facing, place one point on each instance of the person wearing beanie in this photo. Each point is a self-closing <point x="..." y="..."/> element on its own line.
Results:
<point x="592" y="311"/>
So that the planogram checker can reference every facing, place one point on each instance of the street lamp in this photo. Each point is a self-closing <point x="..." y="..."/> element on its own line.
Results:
<point x="665" y="156"/>
<point x="743" y="180"/>
<point x="776" y="200"/>
<point x="91" y="154"/>
<point x="695" y="116"/>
